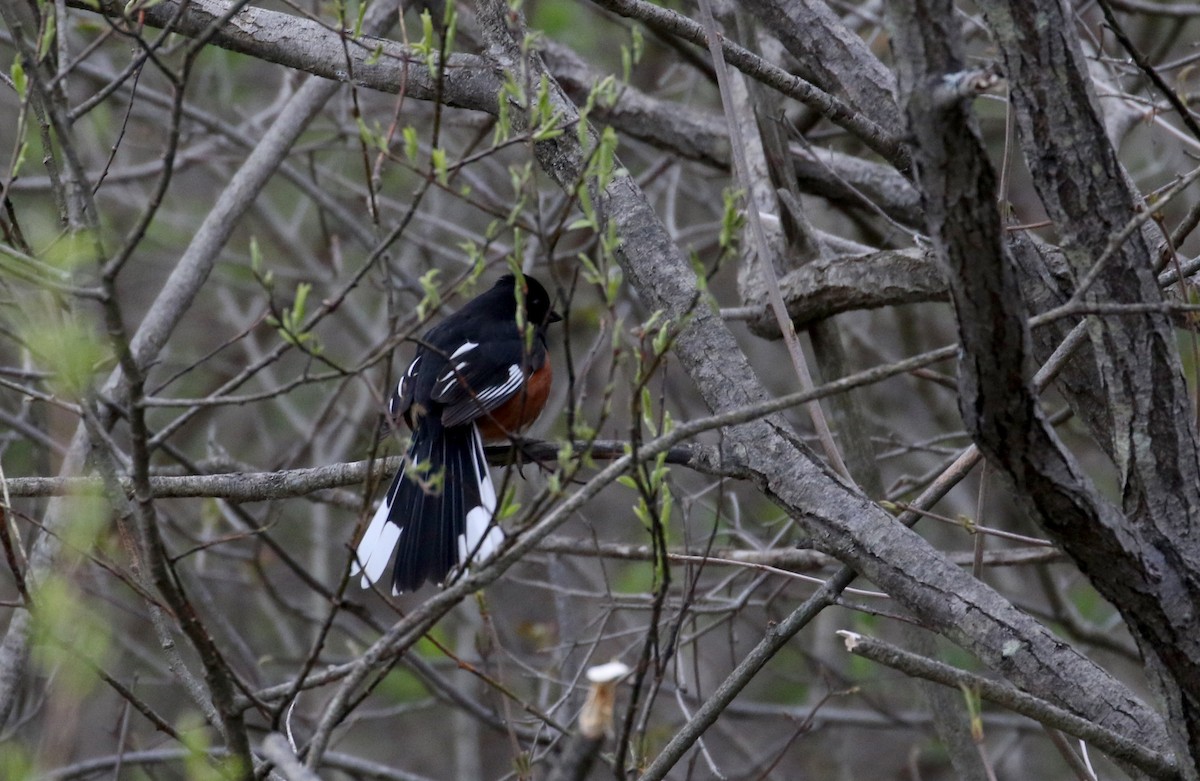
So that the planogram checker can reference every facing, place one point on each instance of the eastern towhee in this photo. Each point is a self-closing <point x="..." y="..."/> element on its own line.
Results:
<point x="482" y="374"/>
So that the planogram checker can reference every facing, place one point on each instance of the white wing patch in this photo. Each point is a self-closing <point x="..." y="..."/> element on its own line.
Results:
<point x="482" y="537"/>
<point x="464" y="349"/>
<point x="449" y="377"/>
<point x="376" y="546"/>
<point x="411" y="372"/>
<point x="504" y="389"/>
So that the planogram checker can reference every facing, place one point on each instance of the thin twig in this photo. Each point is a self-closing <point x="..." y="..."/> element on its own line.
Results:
<point x="1113" y="743"/>
<point x="766" y="259"/>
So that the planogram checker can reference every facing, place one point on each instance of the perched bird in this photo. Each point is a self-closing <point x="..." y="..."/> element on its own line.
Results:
<point x="482" y="374"/>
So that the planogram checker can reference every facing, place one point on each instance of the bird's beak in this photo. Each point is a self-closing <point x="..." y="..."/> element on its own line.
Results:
<point x="553" y="317"/>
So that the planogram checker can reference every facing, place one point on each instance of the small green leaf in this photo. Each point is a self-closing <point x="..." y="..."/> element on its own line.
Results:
<point x="412" y="146"/>
<point x="255" y="256"/>
<point x="290" y="323"/>
<point x="732" y="220"/>
<point x="368" y="136"/>
<point x="426" y="30"/>
<point x="427" y="47"/>
<point x="439" y="165"/>
<point x="974" y="711"/>
<point x="19" y="78"/>
<point x="199" y="764"/>
<point x="432" y="297"/>
<point x="449" y="27"/>
<point x="358" y="22"/>
<point x="547" y="132"/>
<point x="48" y="35"/>
<point x="615" y="278"/>
<point x="302" y="291"/>
<point x="71" y="349"/>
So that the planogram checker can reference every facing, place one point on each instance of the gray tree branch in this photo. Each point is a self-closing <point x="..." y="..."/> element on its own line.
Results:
<point x="996" y="399"/>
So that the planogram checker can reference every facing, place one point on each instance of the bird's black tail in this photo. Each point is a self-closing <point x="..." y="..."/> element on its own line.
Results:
<point x="440" y="507"/>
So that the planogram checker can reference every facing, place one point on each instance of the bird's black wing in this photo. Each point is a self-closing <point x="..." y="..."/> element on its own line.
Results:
<point x="477" y="380"/>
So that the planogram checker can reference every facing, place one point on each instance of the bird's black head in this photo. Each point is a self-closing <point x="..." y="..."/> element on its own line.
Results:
<point x="537" y="300"/>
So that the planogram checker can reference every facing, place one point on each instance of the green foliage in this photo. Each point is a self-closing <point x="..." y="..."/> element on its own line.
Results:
<point x="1089" y="603"/>
<point x="631" y="55"/>
<point x="375" y="138"/>
<point x="974" y="703"/>
<point x="431" y="297"/>
<point x="199" y="763"/>
<point x="19" y="79"/>
<point x="509" y="90"/>
<point x="358" y="19"/>
<point x="69" y="631"/>
<point x="555" y="19"/>
<point x="522" y="764"/>
<point x="425" y="47"/>
<point x="509" y="506"/>
<point x="438" y="160"/>
<point x="603" y="272"/>
<point x="957" y="657"/>
<point x="733" y="219"/>
<point x="545" y="120"/>
<point x="475" y="256"/>
<point x="655" y="502"/>
<point x="73" y="631"/>
<point x="412" y="145"/>
<point x="65" y="343"/>
<point x="449" y="27"/>
<point x="15" y="762"/>
<point x="520" y="178"/>
<point x="513" y="261"/>
<point x="424" y="474"/>
<point x="860" y="669"/>
<point x="651" y="482"/>
<point x="69" y="252"/>
<point x="429" y="47"/>
<point x="290" y="322"/>
<point x="49" y="32"/>
<point x="37" y="272"/>
<point x="630" y="577"/>
<point x="603" y="165"/>
<point x="791" y="686"/>
<point x="531" y="40"/>
<point x="265" y="278"/>
<point x="597" y="175"/>
<point x="431" y="644"/>
<point x="400" y="685"/>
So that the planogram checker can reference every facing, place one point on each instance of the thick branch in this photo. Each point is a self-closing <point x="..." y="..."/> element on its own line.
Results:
<point x="997" y="401"/>
<point x="832" y="56"/>
<point x="1153" y="576"/>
